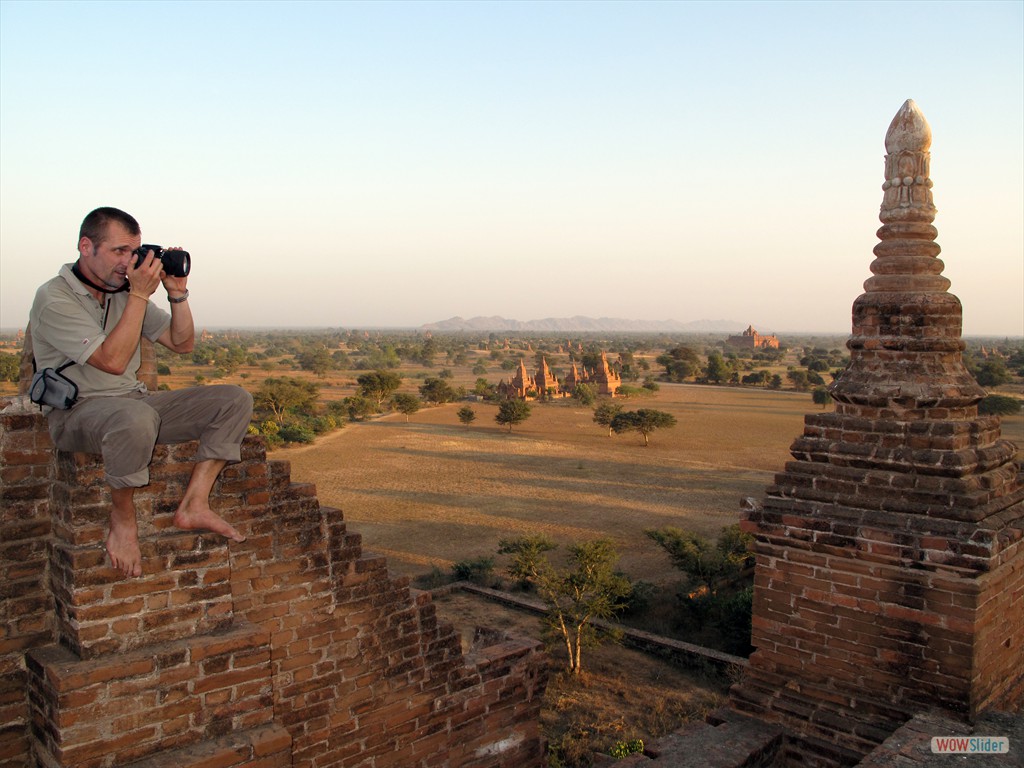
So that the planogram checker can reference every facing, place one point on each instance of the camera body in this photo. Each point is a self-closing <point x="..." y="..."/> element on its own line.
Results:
<point x="176" y="263"/>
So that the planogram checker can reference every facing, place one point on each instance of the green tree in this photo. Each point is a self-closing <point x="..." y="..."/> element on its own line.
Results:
<point x="512" y="412"/>
<point x="466" y="415"/>
<point x="799" y="379"/>
<point x="703" y="562"/>
<point x="359" y="407"/>
<point x="584" y="394"/>
<point x="285" y="396"/>
<point x="378" y="385"/>
<point x="644" y="421"/>
<point x="318" y="360"/>
<point x="680" y="363"/>
<point x="10" y="367"/>
<point x="589" y="588"/>
<point x="436" y="390"/>
<point x="821" y="397"/>
<point x="406" y="403"/>
<point x="605" y="413"/>
<point x="717" y="369"/>
<point x="992" y="373"/>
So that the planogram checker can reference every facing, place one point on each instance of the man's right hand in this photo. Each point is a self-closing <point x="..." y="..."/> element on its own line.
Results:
<point x="145" y="278"/>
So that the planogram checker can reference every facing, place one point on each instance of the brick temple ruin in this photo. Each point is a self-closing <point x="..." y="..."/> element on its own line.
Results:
<point x="293" y="648"/>
<point x="889" y="580"/>
<point x="522" y="386"/>
<point x="751" y="339"/>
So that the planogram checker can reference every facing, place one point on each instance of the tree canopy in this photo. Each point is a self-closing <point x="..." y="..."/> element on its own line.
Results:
<point x="286" y="395"/>
<point x="644" y="421"/>
<point x="512" y="412"/>
<point x="378" y="385"/>
<point x="437" y="390"/>
<point x="605" y="413"/>
<point x="406" y="403"/>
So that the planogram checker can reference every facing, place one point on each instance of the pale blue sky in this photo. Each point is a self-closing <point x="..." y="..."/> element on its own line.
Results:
<point x="392" y="164"/>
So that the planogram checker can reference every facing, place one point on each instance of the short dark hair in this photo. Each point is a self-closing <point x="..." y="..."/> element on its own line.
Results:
<point x="94" y="226"/>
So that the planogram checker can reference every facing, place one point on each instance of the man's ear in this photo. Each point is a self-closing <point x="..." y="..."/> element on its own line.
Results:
<point x="85" y="247"/>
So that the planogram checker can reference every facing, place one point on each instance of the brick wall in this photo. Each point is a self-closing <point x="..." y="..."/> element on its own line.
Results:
<point x="293" y="648"/>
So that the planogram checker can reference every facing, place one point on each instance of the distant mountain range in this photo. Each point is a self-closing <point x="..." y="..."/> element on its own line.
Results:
<point x="579" y="323"/>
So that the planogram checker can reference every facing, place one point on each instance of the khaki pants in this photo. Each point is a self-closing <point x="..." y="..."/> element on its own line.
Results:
<point x="124" y="429"/>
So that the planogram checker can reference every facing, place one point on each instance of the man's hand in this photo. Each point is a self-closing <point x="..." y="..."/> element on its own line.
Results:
<point x="175" y="286"/>
<point x="145" y="278"/>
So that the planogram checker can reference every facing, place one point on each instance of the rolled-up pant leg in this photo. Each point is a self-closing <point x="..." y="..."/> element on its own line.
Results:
<point x="217" y="416"/>
<point x="122" y="429"/>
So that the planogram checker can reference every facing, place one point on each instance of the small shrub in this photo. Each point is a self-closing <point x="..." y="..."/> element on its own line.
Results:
<point x="626" y="748"/>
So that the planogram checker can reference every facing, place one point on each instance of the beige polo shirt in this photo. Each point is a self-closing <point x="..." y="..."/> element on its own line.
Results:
<point x="67" y="323"/>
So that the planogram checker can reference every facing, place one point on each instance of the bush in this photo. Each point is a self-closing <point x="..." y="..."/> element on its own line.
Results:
<point x="296" y="433"/>
<point x="999" y="405"/>
<point x="479" y="571"/>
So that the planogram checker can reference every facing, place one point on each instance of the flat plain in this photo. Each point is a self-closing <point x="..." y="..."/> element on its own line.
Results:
<point x="430" y="492"/>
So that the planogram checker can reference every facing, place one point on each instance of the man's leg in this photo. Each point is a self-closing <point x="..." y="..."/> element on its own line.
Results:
<point x="123" y="538"/>
<point x="194" y="511"/>
<point x="216" y="416"/>
<point x="123" y="430"/>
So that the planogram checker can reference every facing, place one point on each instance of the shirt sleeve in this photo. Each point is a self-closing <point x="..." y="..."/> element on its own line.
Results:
<point x="155" y="323"/>
<point x="70" y="329"/>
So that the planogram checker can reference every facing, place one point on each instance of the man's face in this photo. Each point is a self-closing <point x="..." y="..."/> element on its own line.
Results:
<point x="107" y="261"/>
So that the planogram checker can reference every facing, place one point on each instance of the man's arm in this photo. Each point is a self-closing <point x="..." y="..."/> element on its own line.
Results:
<point x="181" y="335"/>
<point x="116" y="351"/>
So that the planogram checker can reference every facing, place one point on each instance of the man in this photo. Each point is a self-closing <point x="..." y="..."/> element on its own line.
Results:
<point x="95" y="313"/>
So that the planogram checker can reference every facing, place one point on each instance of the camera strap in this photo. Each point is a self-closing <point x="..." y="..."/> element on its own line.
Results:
<point x="78" y="273"/>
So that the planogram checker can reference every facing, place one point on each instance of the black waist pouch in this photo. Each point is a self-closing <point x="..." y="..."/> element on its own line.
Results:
<point x="50" y="387"/>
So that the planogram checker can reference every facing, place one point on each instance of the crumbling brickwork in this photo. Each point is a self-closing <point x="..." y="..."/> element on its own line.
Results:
<point x="294" y="648"/>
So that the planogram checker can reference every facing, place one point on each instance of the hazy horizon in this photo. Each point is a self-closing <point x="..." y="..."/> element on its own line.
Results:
<point x="369" y="165"/>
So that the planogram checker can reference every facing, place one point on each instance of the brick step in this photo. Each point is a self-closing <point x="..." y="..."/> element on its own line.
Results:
<point x="110" y="711"/>
<point x="268" y="746"/>
<point x="185" y="590"/>
<point x="81" y="498"/>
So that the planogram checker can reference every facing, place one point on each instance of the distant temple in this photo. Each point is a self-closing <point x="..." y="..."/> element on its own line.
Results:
<point x="522" y="386"/>
<point x="751" y="339"/>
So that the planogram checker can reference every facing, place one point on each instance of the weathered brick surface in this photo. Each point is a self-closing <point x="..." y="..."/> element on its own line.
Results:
<point x="114" y="709"/>
<point x="292" y="648"/>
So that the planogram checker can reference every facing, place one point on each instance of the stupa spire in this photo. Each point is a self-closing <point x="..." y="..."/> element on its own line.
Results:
<point x="905" y="350"/>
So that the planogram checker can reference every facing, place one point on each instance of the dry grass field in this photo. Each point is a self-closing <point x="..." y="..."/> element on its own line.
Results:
<point x="431" y="492"/>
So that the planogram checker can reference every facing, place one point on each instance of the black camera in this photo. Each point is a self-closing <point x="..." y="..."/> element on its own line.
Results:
<point x="176" y="263"/>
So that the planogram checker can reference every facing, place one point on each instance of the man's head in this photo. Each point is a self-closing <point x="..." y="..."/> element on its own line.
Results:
<point x="106" y="240"/>
<point x="94" y="226"/>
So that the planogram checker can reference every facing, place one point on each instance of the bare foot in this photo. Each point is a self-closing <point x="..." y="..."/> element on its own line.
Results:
<point x="193" y="516"/>
<point x="123" y="549"/>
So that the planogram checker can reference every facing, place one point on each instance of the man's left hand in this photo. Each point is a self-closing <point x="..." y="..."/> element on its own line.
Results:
<point x="175" y="286"/>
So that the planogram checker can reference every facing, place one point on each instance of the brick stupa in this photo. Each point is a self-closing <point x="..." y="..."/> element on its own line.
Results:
<point x="890" y="561"/>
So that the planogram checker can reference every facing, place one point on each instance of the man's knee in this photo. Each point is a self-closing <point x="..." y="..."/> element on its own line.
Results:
<point x="133" y="433"/>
